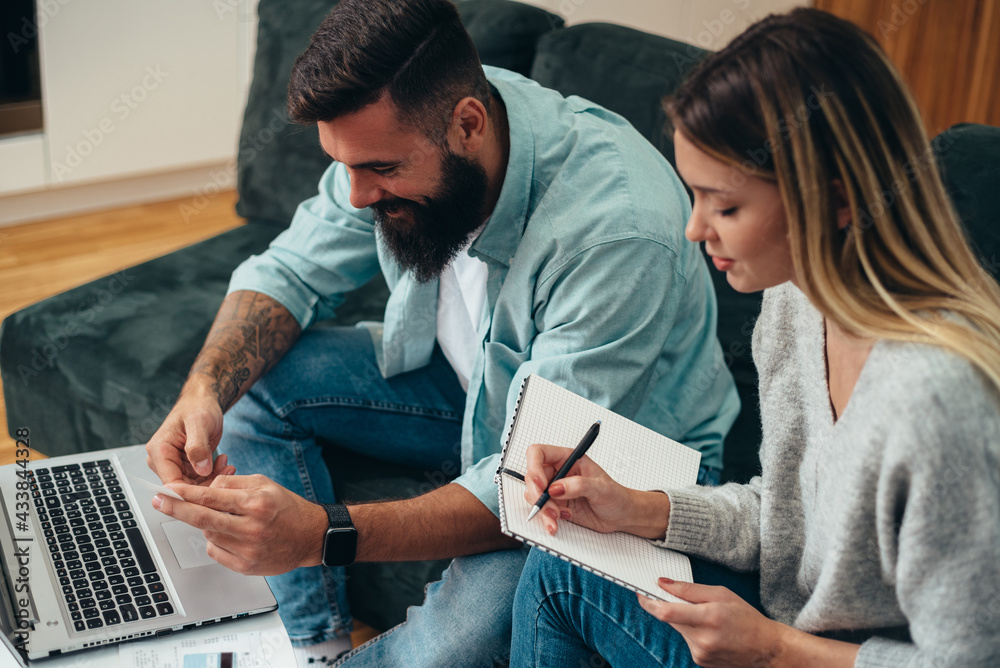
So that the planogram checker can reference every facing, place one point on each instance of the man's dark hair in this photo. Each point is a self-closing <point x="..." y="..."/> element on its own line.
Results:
<point x="416" y="50"/>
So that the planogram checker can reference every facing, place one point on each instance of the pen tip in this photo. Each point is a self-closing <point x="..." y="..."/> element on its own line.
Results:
<point x="534" y="510"/>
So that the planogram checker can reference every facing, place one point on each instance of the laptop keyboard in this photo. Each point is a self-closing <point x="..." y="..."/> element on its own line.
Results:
<point x="105" y="571"/>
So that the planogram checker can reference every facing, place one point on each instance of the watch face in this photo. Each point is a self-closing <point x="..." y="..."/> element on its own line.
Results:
<point x="340" y="547"/>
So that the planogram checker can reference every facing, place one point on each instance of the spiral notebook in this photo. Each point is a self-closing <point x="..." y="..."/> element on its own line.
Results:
<point x="633" y="455"/>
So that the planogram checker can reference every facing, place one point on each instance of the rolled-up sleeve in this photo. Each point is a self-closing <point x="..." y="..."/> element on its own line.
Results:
<point x="328" y="250"/>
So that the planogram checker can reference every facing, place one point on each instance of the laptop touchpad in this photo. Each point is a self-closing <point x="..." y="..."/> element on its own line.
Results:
<point x="188" y="544"/>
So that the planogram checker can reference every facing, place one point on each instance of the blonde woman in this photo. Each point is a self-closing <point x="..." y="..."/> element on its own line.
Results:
<point x="873" y="534"/>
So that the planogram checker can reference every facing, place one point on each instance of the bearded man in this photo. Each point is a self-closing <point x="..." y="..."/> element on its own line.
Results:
<point x="519" y="232"/>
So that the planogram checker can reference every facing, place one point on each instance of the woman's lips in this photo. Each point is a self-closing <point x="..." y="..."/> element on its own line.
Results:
<point x="721" y="263"/>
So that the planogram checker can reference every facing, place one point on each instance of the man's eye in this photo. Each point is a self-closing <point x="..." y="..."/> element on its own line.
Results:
<point x="728" y="212"/>
<point x="383" y="171"/>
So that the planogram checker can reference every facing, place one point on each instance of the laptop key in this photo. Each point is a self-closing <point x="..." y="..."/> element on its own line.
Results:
<point x="147" y="612"/>
<point x="145" y="560"/>
<point x="79" y="626"/>
<point x="160" y="597"/>
<point x="143" y="600"/>
<point x="165" y="609"/>
<point x="94" y="623"/>
<point x="111" y="617"/>
<point x="129" y="613"/>
<point x="107" y="605"/>
<point x="90" y="613"/>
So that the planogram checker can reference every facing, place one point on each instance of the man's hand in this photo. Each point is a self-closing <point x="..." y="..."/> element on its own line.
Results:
<point x="589" y="497"/>
<point x="250" y="334"/>
<point x="253" y="525"/>
<point x="181" y="449"/>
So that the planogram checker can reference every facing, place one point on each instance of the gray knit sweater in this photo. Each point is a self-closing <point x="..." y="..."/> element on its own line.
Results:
<point x="883" y="527"/>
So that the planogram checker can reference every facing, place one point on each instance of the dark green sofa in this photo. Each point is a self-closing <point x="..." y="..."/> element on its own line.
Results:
<point x="100" y="366"/>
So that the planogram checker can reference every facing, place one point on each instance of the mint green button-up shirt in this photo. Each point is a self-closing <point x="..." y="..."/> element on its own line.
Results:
<point x="591" y="283"/>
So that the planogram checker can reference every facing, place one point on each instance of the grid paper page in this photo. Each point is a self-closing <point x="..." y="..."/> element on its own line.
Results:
<point x="632" y="562"/>
<point x="633" y="455"/>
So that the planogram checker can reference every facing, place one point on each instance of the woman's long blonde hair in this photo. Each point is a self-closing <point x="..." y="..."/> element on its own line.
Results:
<point x="809" y="100"/>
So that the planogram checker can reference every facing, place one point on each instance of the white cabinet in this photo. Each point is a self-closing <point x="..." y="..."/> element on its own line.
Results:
<point x="22" y="163"/>
<point x="141" y="86"/>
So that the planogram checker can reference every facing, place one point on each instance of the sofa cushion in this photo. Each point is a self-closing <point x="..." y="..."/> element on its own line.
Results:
<point x="967" y="157"/>
<point x="279" y="162"/>
<point x="100" y="366"/>
<point x="622" y="69"/>
<point x="505" y="32"/>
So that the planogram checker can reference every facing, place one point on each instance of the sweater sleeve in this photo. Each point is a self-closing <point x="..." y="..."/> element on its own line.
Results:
<point x="938" y="514"/>
<point x="719" y="524"/>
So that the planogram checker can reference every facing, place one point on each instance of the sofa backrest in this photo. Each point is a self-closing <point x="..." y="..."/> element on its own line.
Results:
<point x="622" y="69"/>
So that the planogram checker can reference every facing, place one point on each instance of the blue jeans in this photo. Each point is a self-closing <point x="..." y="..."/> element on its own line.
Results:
<point x="567" y="617"/>
<point x="328" y="387"/>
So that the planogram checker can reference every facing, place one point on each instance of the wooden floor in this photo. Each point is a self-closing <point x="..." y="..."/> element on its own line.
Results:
<point x="42" y="259"/>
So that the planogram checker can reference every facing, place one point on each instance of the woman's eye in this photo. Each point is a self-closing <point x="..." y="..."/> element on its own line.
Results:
<point x="728" y="212"/>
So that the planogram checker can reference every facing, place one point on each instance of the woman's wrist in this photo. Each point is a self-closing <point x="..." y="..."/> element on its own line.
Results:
<point x="795" y="648"/>
<point x="650" y="514"/>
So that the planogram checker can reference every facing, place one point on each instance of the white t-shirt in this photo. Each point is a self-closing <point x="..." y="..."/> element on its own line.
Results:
<point x="461" y="301"/>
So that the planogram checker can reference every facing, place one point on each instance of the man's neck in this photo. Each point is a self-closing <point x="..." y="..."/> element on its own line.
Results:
<point x="496" y="153"/>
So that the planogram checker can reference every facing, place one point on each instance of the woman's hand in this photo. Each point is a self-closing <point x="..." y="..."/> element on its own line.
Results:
<point x="720" y="628"/>
<point x="589" y="497"/>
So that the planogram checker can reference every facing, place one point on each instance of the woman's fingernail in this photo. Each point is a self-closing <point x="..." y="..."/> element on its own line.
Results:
<point x="557" y="489"/>
<point x="564" y="514"/>
<point x="666" y="581"/>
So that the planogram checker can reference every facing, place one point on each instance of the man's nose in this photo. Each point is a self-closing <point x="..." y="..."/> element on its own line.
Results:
<point x="365" y="190"/>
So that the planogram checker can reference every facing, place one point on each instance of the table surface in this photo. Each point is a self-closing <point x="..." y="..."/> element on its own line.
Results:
<point x="276" y="649"/>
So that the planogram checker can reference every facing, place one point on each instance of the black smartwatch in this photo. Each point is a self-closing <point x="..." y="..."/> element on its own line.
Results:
<point x="340" y="545"/>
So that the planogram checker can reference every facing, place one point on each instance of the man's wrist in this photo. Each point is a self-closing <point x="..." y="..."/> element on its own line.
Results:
<point x="315" y="534"/>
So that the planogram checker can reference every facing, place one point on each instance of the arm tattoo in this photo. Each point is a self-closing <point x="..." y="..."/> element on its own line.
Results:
<point x="249" y="336"/>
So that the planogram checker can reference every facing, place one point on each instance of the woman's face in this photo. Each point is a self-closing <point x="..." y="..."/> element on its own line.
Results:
<point x="740" y="218"/>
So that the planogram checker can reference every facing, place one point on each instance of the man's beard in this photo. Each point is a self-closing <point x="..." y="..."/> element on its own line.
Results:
<point x="439" y="229"/>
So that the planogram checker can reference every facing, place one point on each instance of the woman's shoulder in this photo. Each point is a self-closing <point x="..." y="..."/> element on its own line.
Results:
<point x="935" y="397"/>
<point x="787" y="322"/>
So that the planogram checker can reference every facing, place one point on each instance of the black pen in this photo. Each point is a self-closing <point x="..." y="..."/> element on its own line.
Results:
<point x="579" y="451"/>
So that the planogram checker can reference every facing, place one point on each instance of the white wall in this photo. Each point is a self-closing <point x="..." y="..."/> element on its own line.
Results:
<point x="708" y="23"/>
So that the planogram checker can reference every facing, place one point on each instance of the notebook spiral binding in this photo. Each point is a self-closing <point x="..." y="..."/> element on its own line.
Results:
<point x="503" y="453"/>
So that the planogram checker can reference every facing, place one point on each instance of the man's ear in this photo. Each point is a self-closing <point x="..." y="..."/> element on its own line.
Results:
<point x="467" y="130"/>
<point x="840" y="201"/>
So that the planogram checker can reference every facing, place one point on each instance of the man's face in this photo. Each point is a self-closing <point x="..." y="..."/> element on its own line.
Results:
<point x="426" y="200"/>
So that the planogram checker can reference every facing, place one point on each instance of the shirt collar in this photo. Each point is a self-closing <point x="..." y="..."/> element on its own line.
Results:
<point x="505" y="226"/>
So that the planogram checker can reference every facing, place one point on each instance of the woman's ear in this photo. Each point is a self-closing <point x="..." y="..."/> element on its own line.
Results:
<point x="840" y="201"/>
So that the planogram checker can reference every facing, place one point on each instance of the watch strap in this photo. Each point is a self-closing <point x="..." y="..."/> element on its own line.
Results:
<point x="338" y="516"/>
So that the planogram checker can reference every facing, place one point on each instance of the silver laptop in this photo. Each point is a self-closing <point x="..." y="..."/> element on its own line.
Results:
<point x="87" y="561"/>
